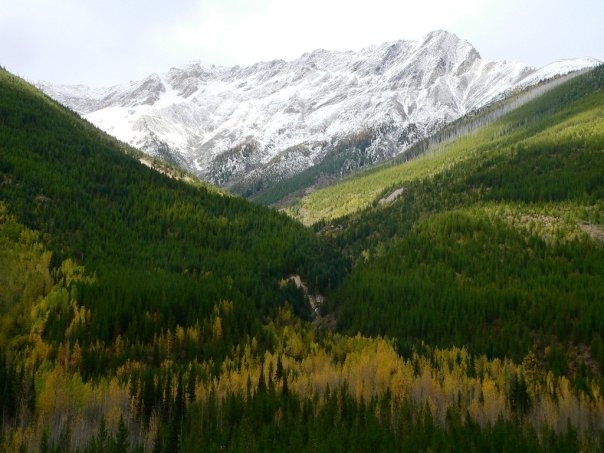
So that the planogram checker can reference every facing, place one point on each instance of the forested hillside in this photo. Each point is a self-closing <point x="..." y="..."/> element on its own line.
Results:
<point x="494" y="242"/>
<point x="140" y="312"/>
<point x="139" y="232"/>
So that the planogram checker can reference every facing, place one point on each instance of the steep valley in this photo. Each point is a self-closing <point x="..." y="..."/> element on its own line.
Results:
<point x="142" y="310"/>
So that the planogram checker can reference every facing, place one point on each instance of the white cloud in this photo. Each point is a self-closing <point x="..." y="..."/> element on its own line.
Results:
<point x="112" y="41"/>
<point x="287" y="29"/>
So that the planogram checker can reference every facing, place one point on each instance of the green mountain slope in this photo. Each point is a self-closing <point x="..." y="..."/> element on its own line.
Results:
<point x="495" y="242"/>
<point x="154" y="244"/>
<point x="569" y="116"/>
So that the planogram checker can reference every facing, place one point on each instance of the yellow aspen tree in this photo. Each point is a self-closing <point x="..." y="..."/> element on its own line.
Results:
<point x="168" y="343"/>
<point x="533" y="375"/>
<point x="180" y="335"/>
<point x="217" y="328"/>
<point x="75" y="358"/>
<point x="63" y="354"/>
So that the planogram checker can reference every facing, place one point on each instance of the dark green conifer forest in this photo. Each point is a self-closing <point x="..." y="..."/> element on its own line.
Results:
<point x="144" y="311"/>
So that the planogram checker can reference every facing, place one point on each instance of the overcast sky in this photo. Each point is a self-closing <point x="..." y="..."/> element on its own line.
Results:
<point x="105" y="42"/>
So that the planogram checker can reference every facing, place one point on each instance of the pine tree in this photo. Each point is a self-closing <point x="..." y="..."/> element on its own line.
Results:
<point x="103" y="437"/>
<point x="44" y="442"/>
<point x="261" y="381"/>
<point x="191" y="385"/>
<point x="279" y="374"/>
<point x="121" y="443"/>
<point x="179" y="400"/>
<point x="285" y="388"/>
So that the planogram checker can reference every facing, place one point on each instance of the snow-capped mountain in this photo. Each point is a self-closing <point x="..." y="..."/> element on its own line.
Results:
<point x="272" y="120"/>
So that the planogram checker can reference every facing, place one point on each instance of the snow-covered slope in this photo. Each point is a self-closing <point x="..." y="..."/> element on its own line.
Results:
<point x="275" y="119"/>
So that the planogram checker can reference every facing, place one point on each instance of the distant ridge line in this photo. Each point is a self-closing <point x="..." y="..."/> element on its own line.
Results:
<point x="483" y="117"/>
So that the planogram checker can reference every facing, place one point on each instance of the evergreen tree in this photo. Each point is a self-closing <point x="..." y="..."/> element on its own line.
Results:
<point x="121" y="443"/>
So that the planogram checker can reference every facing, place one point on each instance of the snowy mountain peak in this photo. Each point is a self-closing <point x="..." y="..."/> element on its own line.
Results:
<point x="274" y="119"/>
<point x="441" y="39"/>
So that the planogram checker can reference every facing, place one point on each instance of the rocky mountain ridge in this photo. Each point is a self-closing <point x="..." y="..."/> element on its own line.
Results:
<point x="250" y="126"/>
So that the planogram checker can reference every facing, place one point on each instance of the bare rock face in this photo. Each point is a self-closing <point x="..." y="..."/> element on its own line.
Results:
<point x="276" y="119"/>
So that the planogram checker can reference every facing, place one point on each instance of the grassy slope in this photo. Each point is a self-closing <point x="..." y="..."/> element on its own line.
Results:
<point x="579" y="124"/>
